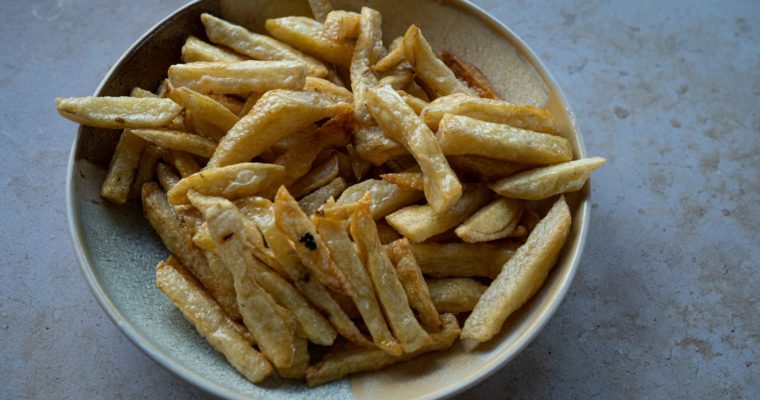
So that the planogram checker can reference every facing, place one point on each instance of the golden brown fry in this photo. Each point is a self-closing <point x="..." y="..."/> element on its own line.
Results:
<point x="469" y="74"/>
<point x="416" y="103"/>
<point x="484" y="168"/>
<point x="320" y="9"/>
<point x="183" y="162"/>
<point x="352" y="359"/>
<point x="419" y="222"/>
<point x="416" y="289"/>
<point x="455" y="295"/>
<point x="341" y="25"/>
<point x="309" y="204"/>
<point x="394" y="57"/>
<point x="212" y="323"/>
<point x="166" y="176"/>
<point x="441" y="260"/>
<point x="277" y="114"/>
<point x="148" y="160"/>
<point x="240" y="77"/>
<point x="176" y="140"/>
<point x="232" y="182"/>
<point x="389" y="291"/>
<point x="259" y="47"/>
<point x="305" y="34"/>
<point x="121" y="171"/>
<point x="372" y="145"/>
<point x="442" y="187"/>
<point x="429" y="68"/>
<point x="328" y="89"/>
<point x="407" y="180"/>
<point x="465" y="135"/>
<point x="386" y="197"/>
<point x="369" y="44"/>
<point x="118" y="112"/>
<point x="495" y="221"/>
<point x="541" y="183"/>
<point x="316" y="178"/>
<point x="521" y="277"/>
<point x="195" y="50"/>
<point x="204" y="107"/>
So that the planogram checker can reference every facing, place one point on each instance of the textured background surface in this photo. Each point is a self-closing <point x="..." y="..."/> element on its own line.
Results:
<point x="665" y="303"/>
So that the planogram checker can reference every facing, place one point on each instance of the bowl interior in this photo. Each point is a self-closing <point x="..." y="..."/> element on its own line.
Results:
<point x="118" y="250"/>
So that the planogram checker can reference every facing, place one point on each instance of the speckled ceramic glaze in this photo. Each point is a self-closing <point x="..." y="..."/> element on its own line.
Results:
<point x="118" y="250"/>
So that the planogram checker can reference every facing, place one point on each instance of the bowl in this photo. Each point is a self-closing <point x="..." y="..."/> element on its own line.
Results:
<point x="118" y="251"/>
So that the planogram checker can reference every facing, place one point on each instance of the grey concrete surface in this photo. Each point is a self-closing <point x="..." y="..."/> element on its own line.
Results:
<point x="666" y="301"/>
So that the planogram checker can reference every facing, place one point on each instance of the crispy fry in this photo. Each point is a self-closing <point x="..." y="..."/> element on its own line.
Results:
<point x="277" y="114"/>
<point x="407" y="180"/>
<point x="202" y="127"/>
<point x="469" y="74"/>
<point x="118" y="112"/>
<point x="541" y="183"/>
<point x="353" y="359"/>
<point x="196" y="50"/>
<point x="148" y="160"/>
<point x="232" y="103"/>
<point x="494" y="221"/>
<point x="121" y="171"/>
<point x="442" y="187"/>
<point x="386" y="196"/>
<point x="464" y="135"/>
<point x="372" y="145"/>
<point x="389" y="291"/>
<point x="305" y="34"/>
<point x="259" y="47"/>
<point x="212" y="323"/>
<point x="419" y="222"/>
<point x="183" y="162"/>
<point x="401" y="76"/>
<point x="240" y="77"/>
<point x="341" y="25"/>
<point x="369" y="44"/>
<point x="176" y="140"/>
<point x="416" y="103"/>
<point x="328" y="89"/>
<point x="455" y="295"/>
<point x="521" y="277"/>
<point x="204" y="107"/>
<point x="441" y="260"/>
<point x="394" y="57"/>
<point x="309" y="204"/>
<point x="233" y="181"/>
<point x="416" y="289"/>
<point x="484" y="168"/>
<point x="320" y="9"/>
<point x="316" y="178"/>
<point x="429" y="68"/>
<point x="166" y="176"/>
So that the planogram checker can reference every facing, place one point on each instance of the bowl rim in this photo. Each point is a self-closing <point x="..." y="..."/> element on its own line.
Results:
<point x="212" y="387"/>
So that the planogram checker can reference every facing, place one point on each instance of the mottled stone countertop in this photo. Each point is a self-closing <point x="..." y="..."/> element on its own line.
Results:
<point x="666" y="301"/>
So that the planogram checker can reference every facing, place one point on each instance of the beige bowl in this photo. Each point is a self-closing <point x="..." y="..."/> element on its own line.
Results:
<point x="118" y="251"/>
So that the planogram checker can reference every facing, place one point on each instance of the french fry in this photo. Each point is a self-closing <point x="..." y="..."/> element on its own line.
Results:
<point x="442" y="187"/>
<point x="465" y="135"/>
<point x="541" y="183"/>
<point x="484" y="168"/>
<point x="272" y="332"/>
<point x="163" y="88"/>
<point x="328" y="89"/>
<point x="343" y="251"/>
<point x="141" y="93"/>
<point x="309" y="246"/>
<point x="419" y="222"/>
<point x="407" y="180"/>
<point x="277" y="114"/>
<point x="183" y="162"/>
<point x="455" y="295"/>
<point x="196" y="50"/>
<point x="319" y="176"/>
<point x="233" y="181"/>
<point x="202" y="127"/>
<point x="239" y="77"/>
<point x="341" y="25"/>
<point x="416" y="103"/>
<point x="204" y="107"/>
<point x="309" y="204"/>
<point x="251" y="101"/>
<point x="177" y="240"/>
<point x="386" y="196"/>
<point x="352" y="359"/>
<point x="118" y="112"/>
<point x="494" y="221"/>
<point x="232" y="103"/>
<point x="389" y="291"/>
<point x="166" y="176"/>
<point x="519" y="232"/>
<point x="359" y="166"/>
<point x="320" y="9"/>
<point x="177" y="140"/>
<point x="414" y="284"/>
<point x="428" y="67"/>
<point x="259" y="47"/>
<point x="121" y="171"/>
<point x="372" y="145"/>
<point x="497" y="111"/>
<point x="394" y="57"/>
<point x="369" y="44"/>
<point x="150" y="156"/>
<point x="305" y="34"/>
<point x="417" y="91"/>
<point x="521" y="277"/>
<point x="401" y="76"/>
<point x="209" y="319"/>
<point x="442" y="260"/>
<point x="300" y="360"/>
<point x="469" y="74"/>
<point x="386" y="233"/>
<point x="530" y="219"/>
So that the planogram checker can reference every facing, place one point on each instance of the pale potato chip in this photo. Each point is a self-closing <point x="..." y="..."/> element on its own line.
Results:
<point x="121" y="170"/>
<point x="369" y="44"/>
<point x="428" y="67"/>
<point x="484" y="168"/>
<point x="328" y="89"/>
<point x="239" y="77"/>
<point x="177" y="140"/>
<point x="441" y="260"/>
<point x="394" y="57"/>
<point x="118" y="112"/>
<point x="195" y="50"/>
<point x="309" y="204"/>
<point x="455" y="295"/>
<point x="204" y="107"/>
<point x="150" y="156"/>
<point x="202" y="127"/>
<point x="416" y="103"/>
<point x="414" y="284"/>
<point x="386" y="196"/>
<point x="320" y="9"/>
<point x="183" y="162"/>
<point x="495" y="221"/>
<point x="233" y="181"/>
<point x="341" y="25"/>
<point x="166" y="176"/>
<point x="231" y="102"/>
<point x="372" y="145"/>
<point x="407" y="180"/>
<point x="319" y="176"/>
<point x="305" y="34"/>
<point x="542" y="183"/>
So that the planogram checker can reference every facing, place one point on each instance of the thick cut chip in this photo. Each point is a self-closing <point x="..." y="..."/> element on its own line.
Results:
<point x="232" y="181"/>
<point x="320" y="9"/>
<point x="305" y="34"/>
<point x="469" y="74"/>
<point x="204" y="107"/>
<point x="232" y="103"/>
<point x="455" y="295"/>
<point x="196" y="50"/>
<point x="141" y="93"/>
<point x="144" y="174"/>
<point x="386" y="232"/>
<point x="177" y="140"/>
<point x="398" y="120"/>
<point x="166" y="176"/>
<point x="416" y="288"/>
<point x="416" y="103"/>
<point x="400" y="77"/>
<point x="309" y="204"/>
<point x="441" y="260"/>
<point x="341" y="25"/>
<point x="359" y="166"/>
<point x="419" y="222"/>
<point x="259" y="47"/>
<point x="319" y="176"/>
<point x="407" y="180"/>
<point x="212" y="323"/>
<point x="240" y="77"/>
<point x="431" y="70"/>
<point x="201" y="127"/>
<point x="541" y="183"/>
<point x="386" y="197"/>
<point x="465" y="135"/>
<point x="121" y="171"/>
<point x="484" y="168"/>
<point x="369" y="45"/>
<point x="389" y="290"/>
<point x="118" y="112"/>
<point x="251" y="101"/>
<point x="277" y="114"/>
<point x="521" y="277"/>
<point x="300" y="360"/>
<point x="372" y="145"/>
<point x="352" y="359"/>
<point x="183" y="162"/>
<point x="521" y="116"/>
<point x="328" y="89"/>
<point x="495" y="221"/>
<point x="394" y="57"/>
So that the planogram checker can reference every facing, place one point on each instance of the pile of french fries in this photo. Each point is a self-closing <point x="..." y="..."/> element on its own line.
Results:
<point x="316" y="188"/>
